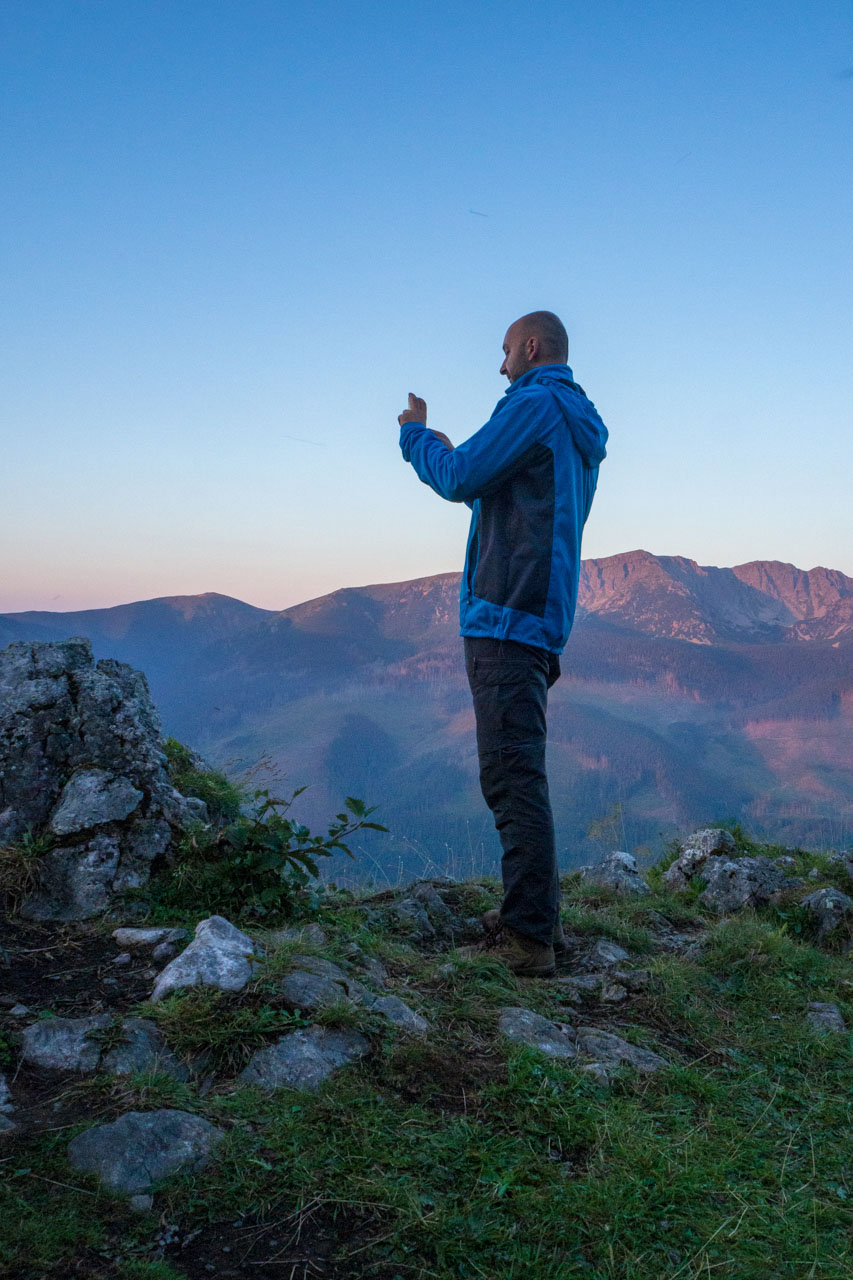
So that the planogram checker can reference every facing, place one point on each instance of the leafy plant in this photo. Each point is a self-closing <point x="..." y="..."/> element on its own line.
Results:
<point x="259" y="863"/>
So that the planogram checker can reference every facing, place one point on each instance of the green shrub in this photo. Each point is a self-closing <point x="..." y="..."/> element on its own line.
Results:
<point x="258" y="864"/>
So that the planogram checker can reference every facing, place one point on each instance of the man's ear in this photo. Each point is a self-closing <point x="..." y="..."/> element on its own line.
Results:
<point x="532" y="345"/>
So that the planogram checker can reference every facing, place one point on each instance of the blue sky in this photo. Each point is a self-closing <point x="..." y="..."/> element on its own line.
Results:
<point x="235" y="235"/>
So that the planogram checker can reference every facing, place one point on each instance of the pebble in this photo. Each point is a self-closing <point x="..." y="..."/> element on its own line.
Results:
<point x="123" y="959"/>
<point x="19" y="1011"/>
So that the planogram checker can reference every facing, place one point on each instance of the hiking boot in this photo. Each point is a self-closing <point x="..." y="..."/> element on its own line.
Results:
<point x="491" y="920"/>
<point x="523" y="956"/>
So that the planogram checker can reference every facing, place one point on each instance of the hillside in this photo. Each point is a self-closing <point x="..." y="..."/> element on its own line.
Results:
<point x="689" y="694"/>
<point x="371" y="1102"/>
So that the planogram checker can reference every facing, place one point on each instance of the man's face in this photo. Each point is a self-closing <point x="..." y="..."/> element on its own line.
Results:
<point x="516" y="355"/>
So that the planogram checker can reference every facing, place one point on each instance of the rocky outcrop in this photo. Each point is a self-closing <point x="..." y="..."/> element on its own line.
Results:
<point x="732" y="881"/>
<point x="81" y="761"/>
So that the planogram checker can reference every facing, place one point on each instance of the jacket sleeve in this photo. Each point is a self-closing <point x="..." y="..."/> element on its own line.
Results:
<point x="464" y="473"/>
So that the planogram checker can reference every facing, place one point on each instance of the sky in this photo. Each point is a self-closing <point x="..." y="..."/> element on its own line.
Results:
<point x="233" y="236"/>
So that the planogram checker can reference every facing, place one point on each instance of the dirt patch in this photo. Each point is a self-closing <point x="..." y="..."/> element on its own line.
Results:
<point x="446" y="1078"/>
<point x="304" y="1244"/>
<point x="68" y="969"/>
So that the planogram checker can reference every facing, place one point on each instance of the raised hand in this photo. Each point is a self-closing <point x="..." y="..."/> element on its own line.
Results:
<point x="416" y="412"/>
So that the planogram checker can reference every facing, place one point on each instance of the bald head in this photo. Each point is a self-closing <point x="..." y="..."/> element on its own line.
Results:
<point x="535" y="339"/>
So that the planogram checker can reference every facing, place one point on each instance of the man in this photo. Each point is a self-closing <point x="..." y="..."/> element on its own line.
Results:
<point x="529" y="476"/>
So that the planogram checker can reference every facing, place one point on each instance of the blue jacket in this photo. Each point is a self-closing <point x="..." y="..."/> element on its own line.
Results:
<point x="529" y="475"/>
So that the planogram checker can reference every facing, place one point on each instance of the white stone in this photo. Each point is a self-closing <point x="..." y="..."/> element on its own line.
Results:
<point x="219" y="955"/>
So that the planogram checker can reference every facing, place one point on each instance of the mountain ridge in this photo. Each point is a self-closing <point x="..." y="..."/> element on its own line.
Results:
<point x="690" y="694"/>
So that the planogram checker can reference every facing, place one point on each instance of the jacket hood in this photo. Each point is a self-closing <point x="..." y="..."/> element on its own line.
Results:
<point x="588" y="431"/>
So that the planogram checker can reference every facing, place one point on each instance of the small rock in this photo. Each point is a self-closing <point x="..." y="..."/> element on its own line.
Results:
<point x="311" y="933"/>
<point x="605" y="1048"/>
<point x="619" y="872"/>
<point x="19" y="1010"/>
<point x="438" y="911"/>
<point x="695" y="850"/>
<point x="311" y="991"/>
<point x="123" y="959"/>
<point x="814" y="874"/>
<point x="412" y="916"/>
<point x="304" y="1059"/>
<point x="597" y="986"/>
<point x="825" y="1018"/>
<point x="523" y="1026"/>
<point x="142" y="1147"/>
<point x="140" y="938"/>
<point x="786" y="862"/>
<point x="318" y="982"/>
<point x="398" y="1012"/>
<point x="6" y="1125"/>
<point x="6" y="1104"/>
<point x="220" y="955"/>
<point x="633" y="979"/>
<point x="142" y="1048"/>
<point x="142" y="1204"/>
<point x="605" y="955"/>
<point x="65" y="1044"/>
<point x="827" y="909"/>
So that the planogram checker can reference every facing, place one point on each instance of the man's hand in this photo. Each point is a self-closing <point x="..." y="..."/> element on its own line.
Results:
<point x="416" y="412"/>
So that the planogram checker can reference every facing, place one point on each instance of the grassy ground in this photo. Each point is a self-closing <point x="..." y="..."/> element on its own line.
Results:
<point x="459" y="1155"/>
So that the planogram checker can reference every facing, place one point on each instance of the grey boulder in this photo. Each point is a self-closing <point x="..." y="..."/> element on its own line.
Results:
<point x="304" y="1059"/>
<point x="219" y="955"/>
<point x="75" y="883"/>
<point x="618" y="872"/>
<point x="79" y="1044"/>
<point x="142" y="1148"/>
<point x="65" y="1044"/>
<point x="523" y="1026"/>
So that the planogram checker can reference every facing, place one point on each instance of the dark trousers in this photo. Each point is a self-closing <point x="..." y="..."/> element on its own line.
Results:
<point x="509" y="684"/>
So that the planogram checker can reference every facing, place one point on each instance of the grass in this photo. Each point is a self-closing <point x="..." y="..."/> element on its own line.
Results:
<point x="460" y="1156"/>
